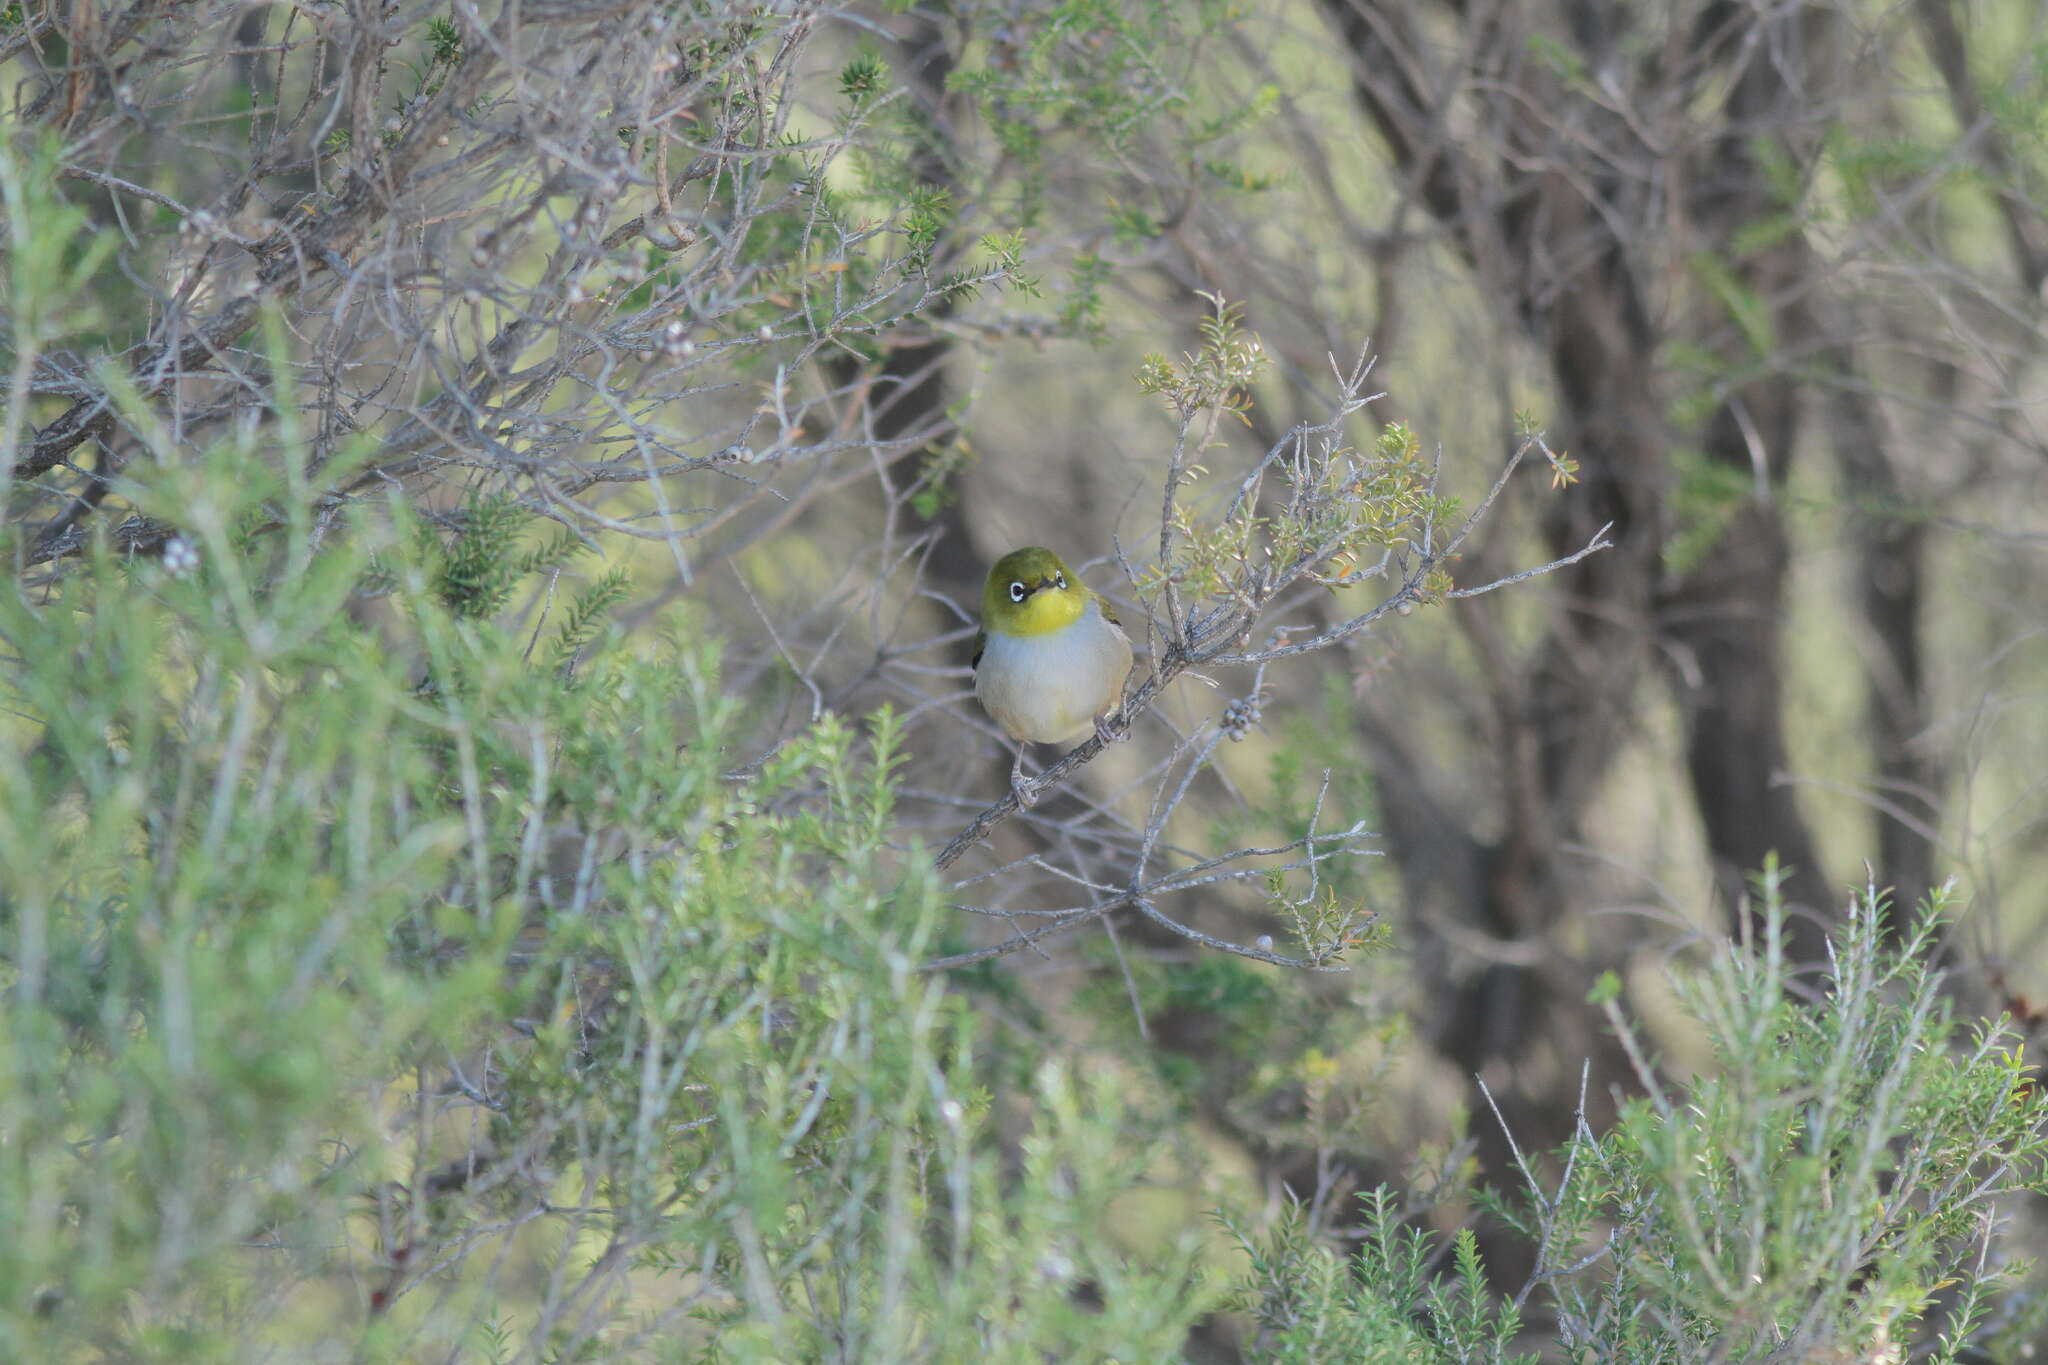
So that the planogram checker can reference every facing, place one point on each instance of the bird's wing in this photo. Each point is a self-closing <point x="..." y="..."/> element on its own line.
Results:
<point x="980" y="643"/>
<point x="1108" y="612"/>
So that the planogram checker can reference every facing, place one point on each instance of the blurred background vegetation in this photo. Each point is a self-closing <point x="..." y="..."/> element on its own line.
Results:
<point x="495" y="498"/>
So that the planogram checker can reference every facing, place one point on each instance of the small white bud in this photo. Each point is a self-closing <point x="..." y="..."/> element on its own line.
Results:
<point x="767" y="333"/>
<point x="1264" y="943"/>
<point x="181" y="557"/>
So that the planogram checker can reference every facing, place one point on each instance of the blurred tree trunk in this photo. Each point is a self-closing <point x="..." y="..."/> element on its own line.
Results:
<point x="910" y="392"/>
<point x="1719" y="622"/>
<point x="1615" y="159"/>
<point x="1891" y="566"/>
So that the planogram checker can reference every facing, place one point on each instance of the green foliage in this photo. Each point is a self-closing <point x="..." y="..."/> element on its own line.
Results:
<point x="862" y="77"/>
<point x="1708" y="496"/>
<point x="2020" y="103"/>
<point x="1560" y="59"/>
<point x="1809" y="1197"/>
<point x="52" y="286"/>
<point x="1217" y="374"/>
<point x="326" y="1000"/>
<point x="931" y="209"/>
<point x="444" y="41"/>
<point x="478" y="568"/>
<point x="1258" y="1008"/>
<point x="1095" y="65"/>
<point x="586" y="615"/>
<point x="1326" y="924"/>
<point x="1343" y="516"/>
<point x="1103" y="85"/>
<point x="1817" y="1188"/>
<point x="1082" y="309"/>
<point x="1388" y="1307"/>
<point x="1324" y="914"/>
<point x="1868" y="167"/>
<point x="549" y="1011"/>
<point x="1394" y="492"/>
<point x="1746" y="308"/>
<point x="216" y="812"/>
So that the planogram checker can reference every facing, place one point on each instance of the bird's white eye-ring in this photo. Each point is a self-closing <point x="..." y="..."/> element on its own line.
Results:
<point x="1059" y="580"/>
<point x="1017" y="593"/>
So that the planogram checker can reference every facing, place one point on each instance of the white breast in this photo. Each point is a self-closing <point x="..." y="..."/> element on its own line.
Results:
<point x="1049" y="688"/>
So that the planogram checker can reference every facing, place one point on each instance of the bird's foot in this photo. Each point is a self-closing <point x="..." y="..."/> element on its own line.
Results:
<point x="1109" y="732"/>
<point x="1020" y="786"/>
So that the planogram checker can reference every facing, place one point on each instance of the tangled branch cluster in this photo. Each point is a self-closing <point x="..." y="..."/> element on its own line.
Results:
<point x="1313" y="514"/>
<point x="545" y="254"/>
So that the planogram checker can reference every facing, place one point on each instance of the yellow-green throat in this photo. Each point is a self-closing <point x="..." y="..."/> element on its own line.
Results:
<point x="1030" y="592"/>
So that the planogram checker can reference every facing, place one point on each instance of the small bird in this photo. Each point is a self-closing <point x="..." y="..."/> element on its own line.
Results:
<point x="1051" y="658"/>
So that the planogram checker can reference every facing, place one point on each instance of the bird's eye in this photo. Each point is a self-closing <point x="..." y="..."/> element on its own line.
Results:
<point x="1016" y="592"/>
<point x="1059" y="580"/>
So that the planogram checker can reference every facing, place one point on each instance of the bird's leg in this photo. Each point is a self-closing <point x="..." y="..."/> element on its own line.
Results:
<point x="1022" y="789"/>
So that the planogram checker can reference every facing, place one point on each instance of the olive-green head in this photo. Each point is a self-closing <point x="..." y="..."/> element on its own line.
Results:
<point x="1030" y="591"/>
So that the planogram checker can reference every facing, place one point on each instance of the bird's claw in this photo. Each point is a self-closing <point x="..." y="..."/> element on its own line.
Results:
<point x="1020" y="786"/>
<point x="1110" y="733"/>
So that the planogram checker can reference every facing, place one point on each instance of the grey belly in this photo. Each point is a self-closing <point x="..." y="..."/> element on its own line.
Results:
<point x="1049" y="689"/>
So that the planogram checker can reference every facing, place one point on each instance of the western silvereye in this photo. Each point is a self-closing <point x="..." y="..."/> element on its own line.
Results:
<point x="1051" y="658"/>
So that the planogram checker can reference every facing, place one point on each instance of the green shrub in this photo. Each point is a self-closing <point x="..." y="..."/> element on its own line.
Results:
<point x="370" y="976"/>
<point x="1826" y="1192"/>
